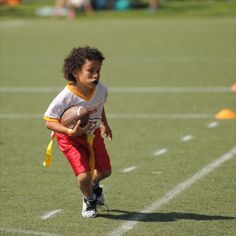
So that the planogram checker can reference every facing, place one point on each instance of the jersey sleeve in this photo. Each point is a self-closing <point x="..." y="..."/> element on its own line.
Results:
<point x="54" y="111"/>
<point x="56" y="108"/>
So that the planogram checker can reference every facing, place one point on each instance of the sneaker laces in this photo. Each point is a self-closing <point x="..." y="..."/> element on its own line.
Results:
<point x="100" y="204"/>
<point x="98" y="192"/>
<point x="107" y="208"/>
<point x="90" y="205"/>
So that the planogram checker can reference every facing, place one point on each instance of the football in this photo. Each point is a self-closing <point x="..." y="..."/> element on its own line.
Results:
<point x="73" y="114"/>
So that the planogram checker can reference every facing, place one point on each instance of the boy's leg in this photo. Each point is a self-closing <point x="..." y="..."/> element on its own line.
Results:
<point x="77" y="155"/>
<point x="102" y="163"/>
<point x="100" y="175"/>
<point x="97" y="189"/>
<point x="89" y="202"/>
<point x="84" y="181"/>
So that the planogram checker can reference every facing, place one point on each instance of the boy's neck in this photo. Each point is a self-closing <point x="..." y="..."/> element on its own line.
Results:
<point x="82" y="89"/>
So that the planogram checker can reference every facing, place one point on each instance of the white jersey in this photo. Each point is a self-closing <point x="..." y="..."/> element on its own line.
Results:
<point x="69" y="97"/>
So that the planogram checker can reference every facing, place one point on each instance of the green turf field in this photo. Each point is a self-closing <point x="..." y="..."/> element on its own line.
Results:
<point x="167" y="80"/>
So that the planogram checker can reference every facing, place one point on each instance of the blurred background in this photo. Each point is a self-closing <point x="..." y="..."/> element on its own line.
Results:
<point x="71" y="8"/>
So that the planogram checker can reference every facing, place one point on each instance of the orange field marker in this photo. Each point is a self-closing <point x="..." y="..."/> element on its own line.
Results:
<point x="233" y="88"/>
<point x="225" y="114"/>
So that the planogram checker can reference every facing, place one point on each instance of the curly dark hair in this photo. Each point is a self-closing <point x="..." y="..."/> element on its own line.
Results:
<point x="77" y="58"/>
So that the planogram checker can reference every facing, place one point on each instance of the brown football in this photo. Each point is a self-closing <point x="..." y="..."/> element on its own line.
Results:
<point x="73" y="114"/>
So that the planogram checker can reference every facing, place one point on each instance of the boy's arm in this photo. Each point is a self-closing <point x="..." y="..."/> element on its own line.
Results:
<point x="56" y="126"/>
<point x="105" y="128"/>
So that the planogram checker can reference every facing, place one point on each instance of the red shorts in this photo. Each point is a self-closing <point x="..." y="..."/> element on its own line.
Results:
<point x="76" y="150"/>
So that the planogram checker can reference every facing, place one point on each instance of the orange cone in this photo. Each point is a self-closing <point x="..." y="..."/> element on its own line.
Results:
<point x="13" y="3"/>
<point x="233" y="88"/>
<point x="225" y="114"/>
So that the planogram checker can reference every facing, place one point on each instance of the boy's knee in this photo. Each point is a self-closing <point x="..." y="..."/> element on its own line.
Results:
<point x="106" y="174"/>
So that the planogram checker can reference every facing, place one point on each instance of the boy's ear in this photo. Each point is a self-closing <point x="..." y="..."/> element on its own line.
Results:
<point x="75" y="72"/>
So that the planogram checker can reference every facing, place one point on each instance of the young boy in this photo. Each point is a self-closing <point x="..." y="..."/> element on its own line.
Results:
<point x="82" y="68"/>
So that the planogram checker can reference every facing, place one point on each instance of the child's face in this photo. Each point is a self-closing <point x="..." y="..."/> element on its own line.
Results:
<point x="89" y="75"/>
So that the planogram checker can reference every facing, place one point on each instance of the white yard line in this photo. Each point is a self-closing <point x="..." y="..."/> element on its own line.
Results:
<point x="186" y="138"/>
<point x="118" y="116"/>
<point x="129" y="225"/>
<point x="160" y="152"/>
<point x="159" y="116"/>
<point x="11" y="24"/>
<point x="32" y="89"/>
<point x="213" y="124"/>
<point x="21" y="232"/>
<point x="169" y="89"/>
<point x="128" y="169"/>
<point x="50" y="214"/>
<point x="6" y="89"/>
<point x="156" y="172"/>
<point x="20" y="116"/>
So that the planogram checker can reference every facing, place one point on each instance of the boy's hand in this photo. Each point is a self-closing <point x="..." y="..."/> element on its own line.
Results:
<point x="78" y="131"/>
<point x="106" y="131"/>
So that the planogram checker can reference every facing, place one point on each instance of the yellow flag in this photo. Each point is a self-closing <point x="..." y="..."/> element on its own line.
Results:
<point x="90" y="138"/>
<point x="48" y="156"/>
